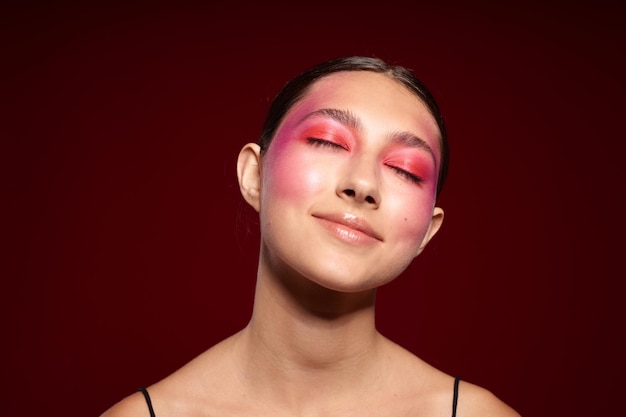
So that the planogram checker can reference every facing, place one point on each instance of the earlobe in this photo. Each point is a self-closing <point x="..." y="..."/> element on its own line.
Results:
<point x="434" y="226"/>
<point x="249" y="174"/>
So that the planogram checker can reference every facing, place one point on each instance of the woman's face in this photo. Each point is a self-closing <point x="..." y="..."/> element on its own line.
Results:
<point x="348" y="185"/>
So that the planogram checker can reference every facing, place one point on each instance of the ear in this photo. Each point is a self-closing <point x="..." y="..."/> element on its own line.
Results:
<point x="249" y="174"/>
<point x="435" y="223"/>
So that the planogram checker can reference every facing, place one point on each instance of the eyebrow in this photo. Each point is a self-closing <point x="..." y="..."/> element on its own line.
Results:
<point x="349" y="119"/>
<point x="344" y="117"/>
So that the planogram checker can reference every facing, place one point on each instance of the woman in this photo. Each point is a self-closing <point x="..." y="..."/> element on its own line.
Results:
<point x="345" y="178"/>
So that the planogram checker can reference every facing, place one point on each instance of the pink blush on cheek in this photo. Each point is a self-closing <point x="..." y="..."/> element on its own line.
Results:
<point x="413" y="218"/>
<point x="290" y="174"/>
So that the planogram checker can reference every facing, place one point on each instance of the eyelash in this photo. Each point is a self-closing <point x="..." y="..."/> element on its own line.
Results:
<point x="327" y="144"/>
<point x="323" y="143"/>
<point x="411" y="177"/>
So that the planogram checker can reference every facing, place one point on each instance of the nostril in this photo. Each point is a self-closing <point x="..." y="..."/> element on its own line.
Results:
<point x="352" y="194"/>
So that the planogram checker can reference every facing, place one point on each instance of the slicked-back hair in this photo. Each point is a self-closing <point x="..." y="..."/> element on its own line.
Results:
<point x="298" y="86"/>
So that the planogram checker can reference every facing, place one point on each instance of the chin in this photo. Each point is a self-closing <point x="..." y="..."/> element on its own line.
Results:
<point x="349" y="283"/>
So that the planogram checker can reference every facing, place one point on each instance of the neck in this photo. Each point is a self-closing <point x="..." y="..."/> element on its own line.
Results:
<point x="309" y="338"/>
<point x="315" y="328"/>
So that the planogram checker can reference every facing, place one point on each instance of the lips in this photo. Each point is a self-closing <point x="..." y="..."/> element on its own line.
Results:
<point x="349" y="226"/>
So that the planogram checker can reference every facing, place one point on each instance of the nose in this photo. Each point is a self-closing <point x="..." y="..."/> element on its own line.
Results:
<point x="360" y="183"/>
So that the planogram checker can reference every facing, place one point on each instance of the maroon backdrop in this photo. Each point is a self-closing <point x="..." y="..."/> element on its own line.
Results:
<point x="128" y="251"/>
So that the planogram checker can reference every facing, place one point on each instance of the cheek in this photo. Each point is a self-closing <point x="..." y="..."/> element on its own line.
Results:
<point x="294" y="178"/>
<point x="414" y="213"/>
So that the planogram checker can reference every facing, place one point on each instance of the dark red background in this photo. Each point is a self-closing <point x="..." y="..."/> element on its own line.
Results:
<point x="128" y="250"/>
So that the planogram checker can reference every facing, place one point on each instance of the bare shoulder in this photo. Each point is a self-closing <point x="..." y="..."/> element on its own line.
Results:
<point x="132" y="406"/>
<point x="183" y="392"/>
<point x="428" y="391"/>
<point x="477" y="401"/>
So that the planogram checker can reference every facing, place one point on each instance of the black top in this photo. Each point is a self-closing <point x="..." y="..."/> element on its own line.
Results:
<point x="455" y="397"/>
<point x="147" y="396"/>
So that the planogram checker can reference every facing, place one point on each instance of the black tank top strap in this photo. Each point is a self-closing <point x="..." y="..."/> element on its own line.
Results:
<point x="148" y="401"/>
<point x="455" y="397"/>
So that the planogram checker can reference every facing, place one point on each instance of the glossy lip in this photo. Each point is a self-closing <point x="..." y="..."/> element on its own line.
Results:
<point x="353" y="224"/>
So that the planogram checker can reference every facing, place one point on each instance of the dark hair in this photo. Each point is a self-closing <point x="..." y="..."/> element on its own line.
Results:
<point x="295" y="89"/>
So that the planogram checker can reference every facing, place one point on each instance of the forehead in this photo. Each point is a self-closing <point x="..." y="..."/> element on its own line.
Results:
<point x="379" y="101"/>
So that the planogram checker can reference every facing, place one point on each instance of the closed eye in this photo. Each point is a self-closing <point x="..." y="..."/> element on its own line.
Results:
<point x="323" y="143"/>
<point x="406" y="174"/>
